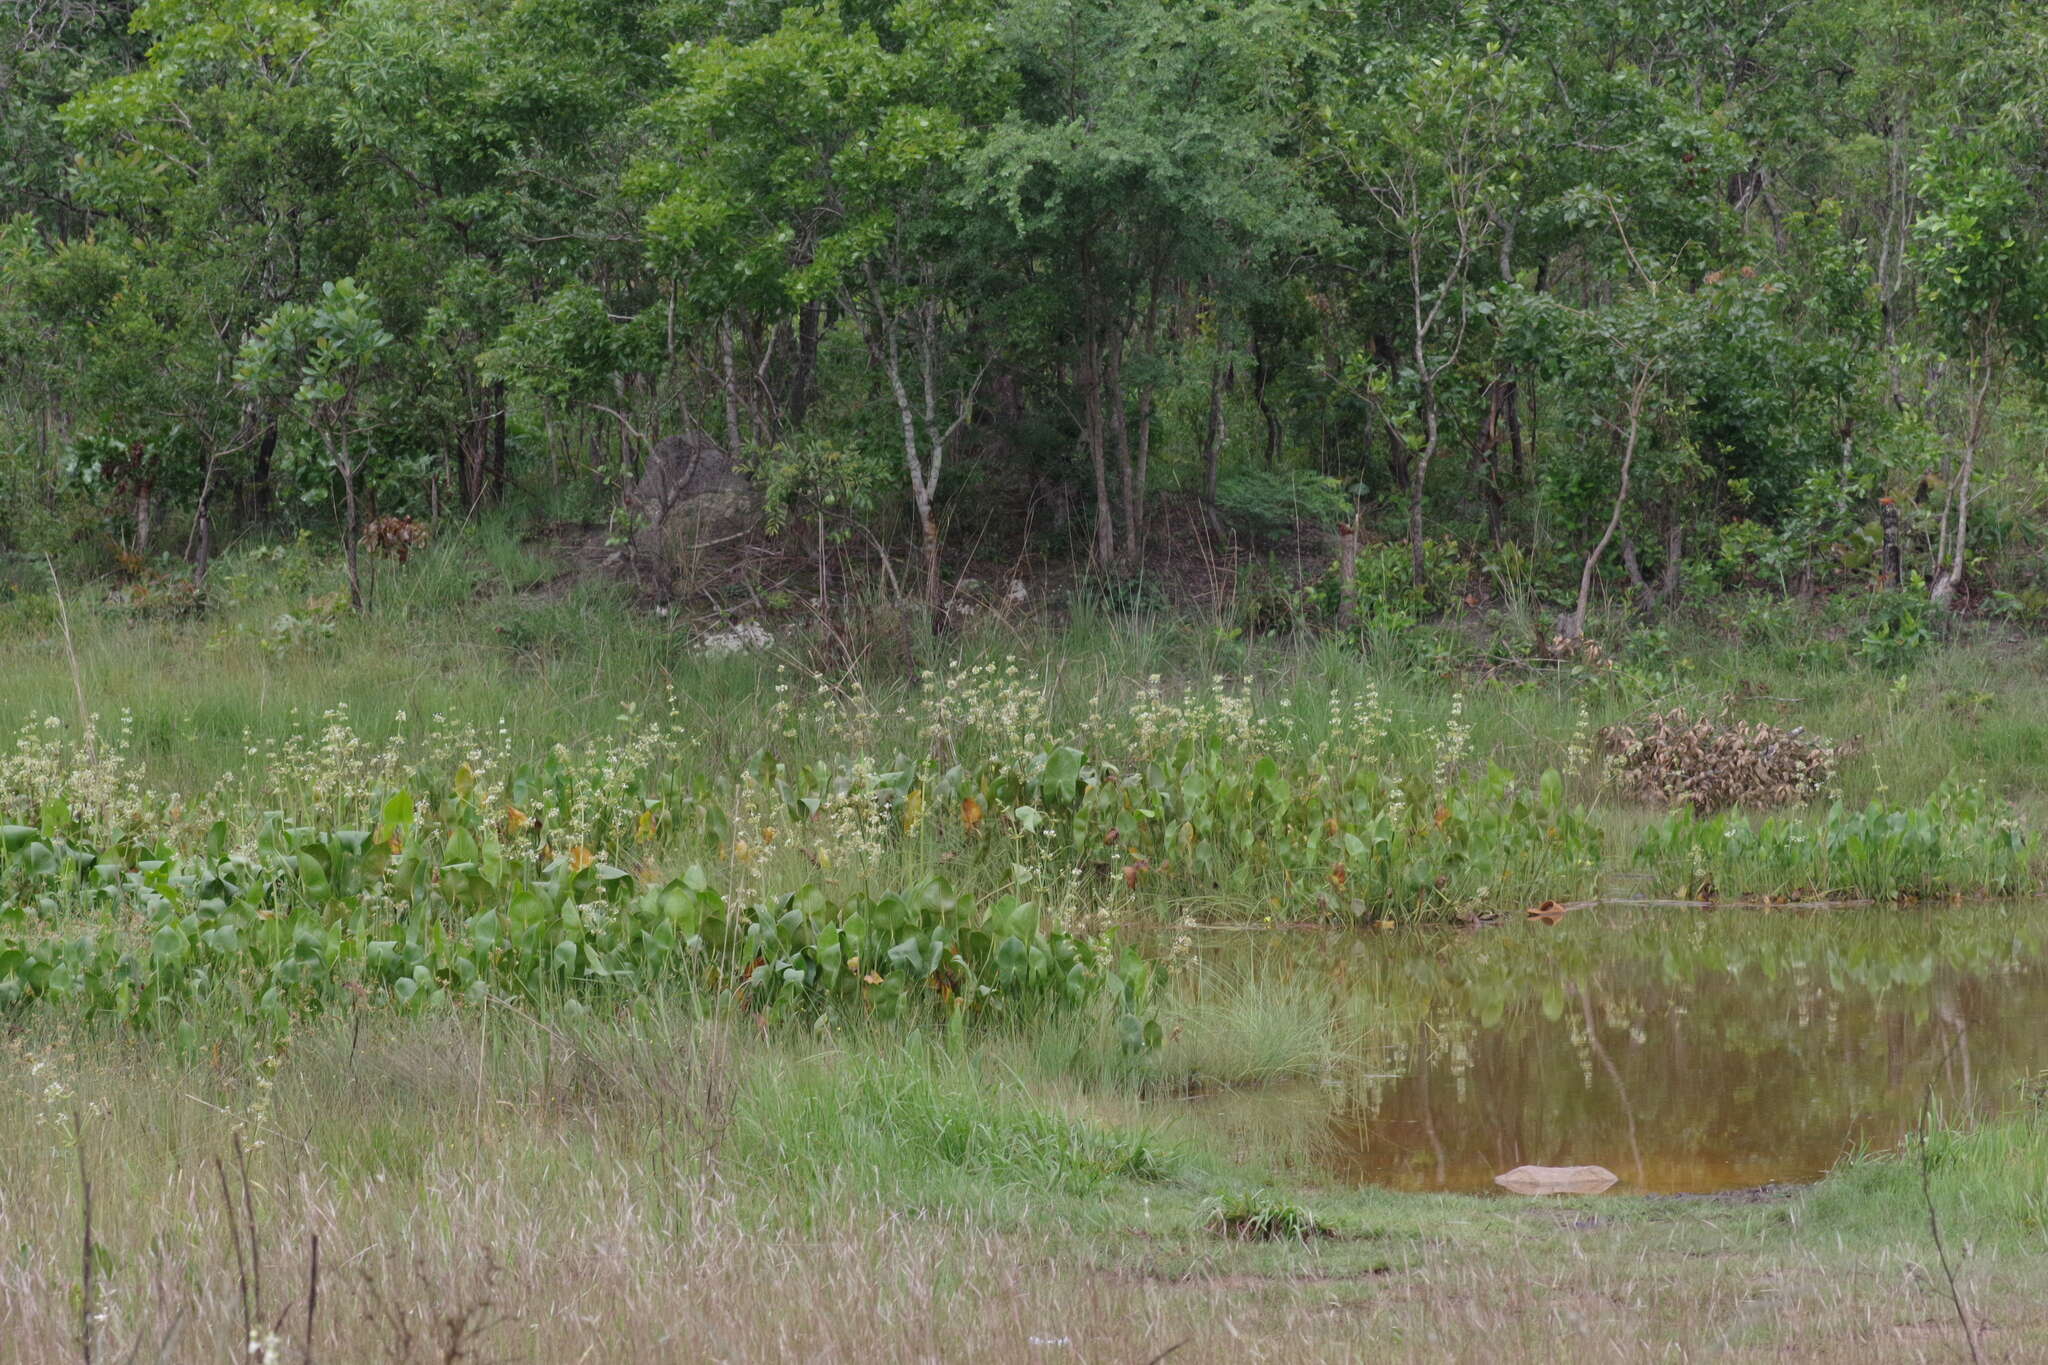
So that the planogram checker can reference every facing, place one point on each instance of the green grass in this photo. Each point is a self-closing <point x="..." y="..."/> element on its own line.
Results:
<point x="1988" y="1184"/>
<point x="821" y="1185"/>
<point x="851" y="1195"/>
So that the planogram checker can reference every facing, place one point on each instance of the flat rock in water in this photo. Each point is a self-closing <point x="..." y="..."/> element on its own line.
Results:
<point x="1556" y="1180"/>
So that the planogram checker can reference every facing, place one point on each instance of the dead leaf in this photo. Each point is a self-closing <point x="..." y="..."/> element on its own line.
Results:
<point x="970" y="813"/>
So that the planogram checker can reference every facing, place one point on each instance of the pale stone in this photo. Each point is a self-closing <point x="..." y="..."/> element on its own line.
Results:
<point x="1556" y="1180"/>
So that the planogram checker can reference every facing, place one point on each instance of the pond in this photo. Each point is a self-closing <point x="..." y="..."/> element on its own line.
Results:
<point x="1687" y="1050"/>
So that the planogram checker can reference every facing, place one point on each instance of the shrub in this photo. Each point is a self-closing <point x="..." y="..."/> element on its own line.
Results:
<point x="1710" y="765"/>
<point x="1276" y="501"/>
<point x="1897" y="637"/>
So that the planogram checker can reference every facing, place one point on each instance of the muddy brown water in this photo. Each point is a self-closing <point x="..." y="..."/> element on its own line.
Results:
<point x="1689" y="1051"/>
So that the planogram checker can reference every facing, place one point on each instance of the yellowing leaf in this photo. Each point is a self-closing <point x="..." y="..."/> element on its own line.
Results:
<point x="580" y="858"/>
<point x="970" y="812"/>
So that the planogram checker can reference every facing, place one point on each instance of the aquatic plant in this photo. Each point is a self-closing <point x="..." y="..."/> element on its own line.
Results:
<point x="431" y="905"/>
<point x="1958" y="842"/>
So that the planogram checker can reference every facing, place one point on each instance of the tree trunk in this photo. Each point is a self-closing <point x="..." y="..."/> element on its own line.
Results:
<point x="145" y="507"/>
<point x="1212" y="438"/>
<point x="806" y="364"/>
<point x="1144" y="471"/>
<point x="1127" y="474"/>
<point x="498" y="441"/>
<point x="350" y="532"/>
<point x="253" y="498"/>
<point x="1891" y="575"/>
<point x="1347" y="572"/>
<point x="202" y="547"/>
<point x="887" y="348"/>
<point x="1488" y="452"/>
<point x="1949" y="576"/>
<point x="1574" y="623"/>
<point x="1090" y="379"/>
<point x="1653" y="598"/>
<point x="729" y="382"/>
<point x="1262" y="374"/>
<point x="1418" y="482"/>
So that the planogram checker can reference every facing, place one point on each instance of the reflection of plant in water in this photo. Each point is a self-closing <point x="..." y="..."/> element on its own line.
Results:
<point x="1701" y="1016"/>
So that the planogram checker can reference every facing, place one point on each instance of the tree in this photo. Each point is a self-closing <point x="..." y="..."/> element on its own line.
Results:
<point x="1429" y="144"/>
<point x="816" y="163"/>
<point x="1144" y="159"/>
<point x="318" y="358"/>
<point x="1982" y="251"/>
<point x="1628" y="370"/>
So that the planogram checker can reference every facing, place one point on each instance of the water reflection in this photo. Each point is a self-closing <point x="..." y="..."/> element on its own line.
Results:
<point x="1686" y="1051"/>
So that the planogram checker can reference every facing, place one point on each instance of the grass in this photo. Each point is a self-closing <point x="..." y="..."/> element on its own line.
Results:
<point x="671" y="1186"/>
<point x="659" y="1175"/>
<point x="473" y="629"/>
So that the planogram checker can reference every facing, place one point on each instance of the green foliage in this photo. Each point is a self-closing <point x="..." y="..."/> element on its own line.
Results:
<point x="1897" y="636"/>
<point x="1959" y="842"/>
<point x="1274" y="501"/>
<point x="1261" y="1216"/>
<point x="429" y="905"/>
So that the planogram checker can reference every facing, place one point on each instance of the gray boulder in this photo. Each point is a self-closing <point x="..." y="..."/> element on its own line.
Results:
<point x="690" y="498"/>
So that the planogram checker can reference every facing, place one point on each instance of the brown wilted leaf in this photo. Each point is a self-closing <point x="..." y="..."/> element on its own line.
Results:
<point x="1710" y="765"/>
<point x="970" y="813"/>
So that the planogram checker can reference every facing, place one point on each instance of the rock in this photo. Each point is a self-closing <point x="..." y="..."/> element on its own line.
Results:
<point x="744" y="638"/>
<point x="1556" y="1180"/>
<point x="691" y="497"/>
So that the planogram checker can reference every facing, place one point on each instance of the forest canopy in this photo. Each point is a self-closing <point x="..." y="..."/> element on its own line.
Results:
<point x="1608" y="299"/>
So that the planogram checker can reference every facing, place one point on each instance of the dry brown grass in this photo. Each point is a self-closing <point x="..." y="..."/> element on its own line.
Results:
<point x="599" y="1198"/>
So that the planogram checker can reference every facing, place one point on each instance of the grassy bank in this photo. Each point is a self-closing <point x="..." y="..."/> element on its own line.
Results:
<point x="490" y="1186"/>
<point x="484" y="629"/>
<point x="588" y="992"/>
